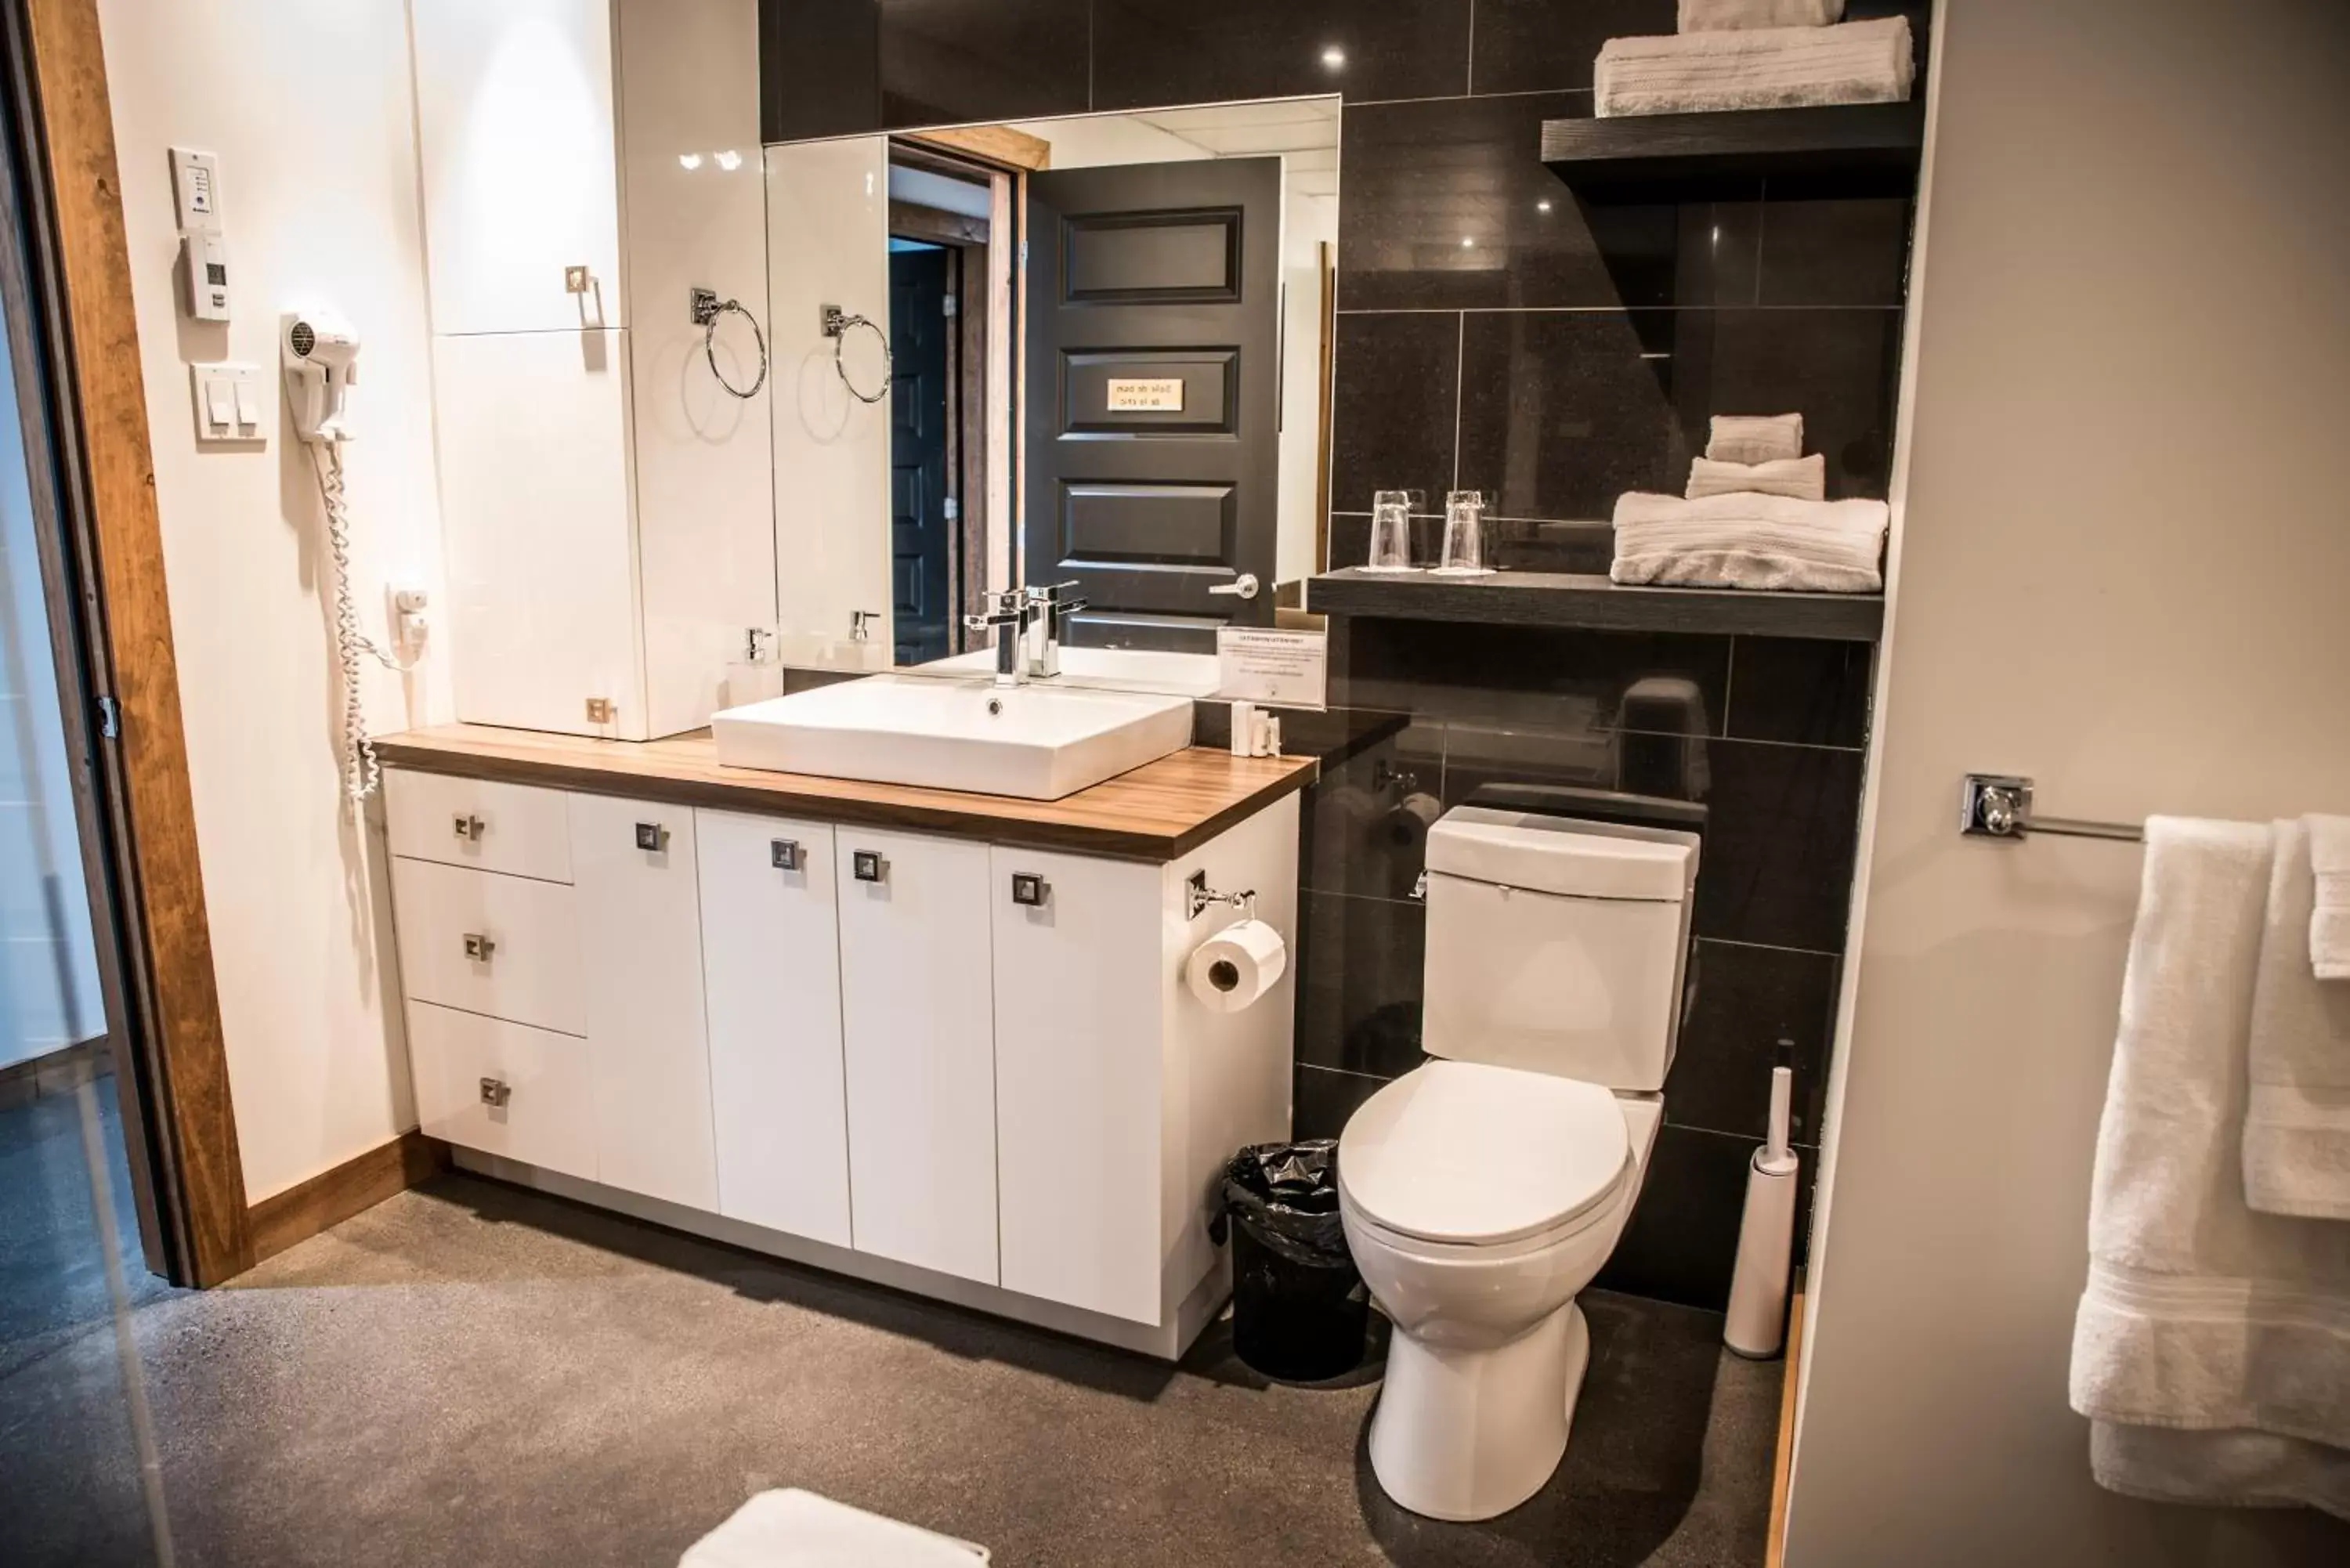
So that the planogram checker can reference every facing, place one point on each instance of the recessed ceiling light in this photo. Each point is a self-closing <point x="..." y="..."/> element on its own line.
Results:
<point x="1543" y="205"/>
<point x="1333" y="56"/>
<point x="1466" y="242"/>
<point x="689" y="161"/>
<point x="730" y="160"/>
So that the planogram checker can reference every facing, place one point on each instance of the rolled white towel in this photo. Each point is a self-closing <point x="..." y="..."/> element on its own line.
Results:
<point x="1722" y="16"/>
<point x="1803" y="478"/>
<point x="1744" y="540"/>
<point x="2329" y="917"/>
<point x="1760" y="67"/>
<point x="1754" y="437"/>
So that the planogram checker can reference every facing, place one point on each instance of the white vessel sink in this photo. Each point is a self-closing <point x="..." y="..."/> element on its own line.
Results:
<point x="1037" y="742"/>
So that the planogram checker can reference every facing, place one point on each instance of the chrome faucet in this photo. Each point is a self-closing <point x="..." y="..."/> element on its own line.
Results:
<point x="1049" y="611"/>
<point x="1007" y="617"/>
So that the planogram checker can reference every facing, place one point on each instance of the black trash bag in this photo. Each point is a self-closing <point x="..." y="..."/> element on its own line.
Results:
<point x="1299" y="1308"/>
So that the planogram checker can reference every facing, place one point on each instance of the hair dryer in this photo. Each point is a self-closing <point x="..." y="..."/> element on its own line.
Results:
<point x="322" y="362"/>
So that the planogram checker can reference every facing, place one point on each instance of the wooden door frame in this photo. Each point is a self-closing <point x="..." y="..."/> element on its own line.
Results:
<point x="94" y="492"/>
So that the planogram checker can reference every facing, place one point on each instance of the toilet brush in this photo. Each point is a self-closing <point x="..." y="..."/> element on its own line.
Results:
<point x="1758" y="1288"/>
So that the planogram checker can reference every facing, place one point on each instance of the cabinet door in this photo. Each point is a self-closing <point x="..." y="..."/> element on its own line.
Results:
<point x="1078" y="999"/>
<point x="918" y="1032"/>
<point x="641" y="966"/>
<point x="770" y="959"/>
<point x="519" y="150"/>
<point x="538" y="518"/>
<point x="504" y="947"/>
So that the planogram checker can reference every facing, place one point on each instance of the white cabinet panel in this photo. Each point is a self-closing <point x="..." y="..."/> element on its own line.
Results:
<point x="519" y="147"/>
<point x="506" y="827"/>
<point x="1079" y="989"/>
<point x="918" y="1027"/>
<point x="640" y="962"/>
<point x="506" y="947"/>
<point x="504" y="1088"/>
<point x="770" y="959"/>
<point x="537" y="512"/>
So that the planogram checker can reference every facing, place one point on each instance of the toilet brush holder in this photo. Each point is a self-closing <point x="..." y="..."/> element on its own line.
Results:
<point x="1756" y="1325"/>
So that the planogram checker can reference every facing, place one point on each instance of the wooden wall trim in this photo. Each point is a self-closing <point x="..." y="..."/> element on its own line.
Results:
<point x="1776" y="1540"/>
<point x="331" y="1197"/>
<point x="997" y="143"/>
<point x="164" y="879"/>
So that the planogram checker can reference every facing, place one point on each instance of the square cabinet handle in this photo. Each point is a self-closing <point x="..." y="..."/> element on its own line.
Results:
<point x="468" y="828"/>
<point x="868" y="865"/>
<point x="496" y="1091"/>
<point x="1030" y="890"/>
<point x="785" y="855"/>
<point x="652" y="836"/>
<point x="479" y="947"/>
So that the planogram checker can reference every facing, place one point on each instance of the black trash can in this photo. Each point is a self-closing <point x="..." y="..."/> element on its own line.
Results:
<point x="1300" y="1310"/>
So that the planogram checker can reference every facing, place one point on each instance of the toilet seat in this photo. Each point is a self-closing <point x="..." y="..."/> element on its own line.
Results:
<point x="1461" y="1154"/>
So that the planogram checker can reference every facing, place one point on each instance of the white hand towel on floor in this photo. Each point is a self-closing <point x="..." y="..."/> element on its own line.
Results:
<point x="1762" y="68"/>
<point x="2329" y="915"/>
<point x="1803" y="478"/>
<point x="2297" y="1120"/>
<point x="2219" y="1470"/>
<point x="1754" y="437"/>
<point x="1719" y="16"/>
<point x="1744" y="540"/>
<point x="2199" y="1314"/>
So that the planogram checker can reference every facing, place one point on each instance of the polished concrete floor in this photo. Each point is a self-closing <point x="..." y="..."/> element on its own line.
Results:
<point x="472" y="1375"/>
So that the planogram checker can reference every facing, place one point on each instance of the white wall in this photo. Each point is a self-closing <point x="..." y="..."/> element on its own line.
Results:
<point x="308" y="106"/>
<point x="2123" y="552"/>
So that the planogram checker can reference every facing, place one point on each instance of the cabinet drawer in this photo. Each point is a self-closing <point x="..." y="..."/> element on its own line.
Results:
<point x="474" y="821"/>
<point x="504" y="1088"/>
<point x="530" y="972"/>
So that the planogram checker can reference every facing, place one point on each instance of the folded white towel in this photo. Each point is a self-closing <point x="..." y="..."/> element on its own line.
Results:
<point x="2200" y="1314"/>
<point x="2297" y="1118"/>
<point x="2219" y="1470"/>
<point x="1762" y="68"/>
<point x="2329" y="915"/>
<point x="1754" y="437"/>
<point x="1743" y="540"/>
<point x="1803" y="478"/>
<point x="1716" y="15"/>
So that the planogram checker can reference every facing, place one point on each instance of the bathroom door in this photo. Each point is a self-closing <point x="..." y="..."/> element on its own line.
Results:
<point x="921" y="530"/>
<point x="1154" y="402"/>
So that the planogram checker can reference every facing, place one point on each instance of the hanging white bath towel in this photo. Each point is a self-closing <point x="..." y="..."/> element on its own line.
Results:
<point x="2297" y="1121"/>
<point x="2201" y="1316"/>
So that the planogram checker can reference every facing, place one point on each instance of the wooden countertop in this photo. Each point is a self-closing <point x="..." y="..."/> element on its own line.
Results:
<point x="1159" y="812"/>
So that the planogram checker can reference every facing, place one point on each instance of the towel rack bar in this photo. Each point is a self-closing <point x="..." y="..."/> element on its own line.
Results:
<point x="1999" y="806"/>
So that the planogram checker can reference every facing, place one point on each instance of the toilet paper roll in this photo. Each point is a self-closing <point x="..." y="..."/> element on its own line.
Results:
<point x="1405" y="828"/>
<point x="1240" y="963"/>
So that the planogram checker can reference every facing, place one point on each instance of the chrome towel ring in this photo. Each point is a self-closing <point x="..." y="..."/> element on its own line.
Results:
<point x="836" y="324"/>
<point x="707" y="308"/>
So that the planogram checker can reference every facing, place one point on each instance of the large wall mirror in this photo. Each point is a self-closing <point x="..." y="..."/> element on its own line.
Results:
<point x="1092" y="351"/>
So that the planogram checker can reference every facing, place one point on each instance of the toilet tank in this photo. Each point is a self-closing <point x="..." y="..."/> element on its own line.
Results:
<point x="1558" y="945"/>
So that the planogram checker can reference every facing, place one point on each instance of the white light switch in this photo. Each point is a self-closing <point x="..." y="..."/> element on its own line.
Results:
<point x="228" y="402"/>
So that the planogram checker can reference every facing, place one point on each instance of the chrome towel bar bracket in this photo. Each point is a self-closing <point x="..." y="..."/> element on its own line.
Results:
<point x="1999" y="806"/>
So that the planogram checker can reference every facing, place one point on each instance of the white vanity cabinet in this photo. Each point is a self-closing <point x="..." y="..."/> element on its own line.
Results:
<point x="972" y="1070"/>
<point x="918" y="1036"/>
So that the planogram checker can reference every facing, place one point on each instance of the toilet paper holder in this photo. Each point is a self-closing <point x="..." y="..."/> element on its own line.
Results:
<point x="1198" y="897"/>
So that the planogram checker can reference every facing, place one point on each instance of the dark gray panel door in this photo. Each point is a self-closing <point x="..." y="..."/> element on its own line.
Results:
<point x="1154" y="400"/>
<point x="920" y="555"/>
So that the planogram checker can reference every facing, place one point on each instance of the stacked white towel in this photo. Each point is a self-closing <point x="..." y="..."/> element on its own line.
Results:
<point x="1745" y="540"/>
<point x="2297" y="1120"/>
<point x="1718" y="16"/>
<point x="2213" y="1344"/>
<point x="2329" y="914"/>
<point x="1803" y="478"/>
<point x="1754" y="437"/>
<point x="1760" y="67"/>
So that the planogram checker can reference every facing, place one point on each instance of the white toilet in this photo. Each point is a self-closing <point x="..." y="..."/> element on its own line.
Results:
<point x="1482" y="1191"/>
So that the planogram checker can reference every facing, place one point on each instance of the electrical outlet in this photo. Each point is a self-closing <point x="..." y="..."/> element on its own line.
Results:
<point x="405" y="607"/>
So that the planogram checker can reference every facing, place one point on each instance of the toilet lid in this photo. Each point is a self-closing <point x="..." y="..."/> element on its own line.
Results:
<point x="1466" y="1153"/>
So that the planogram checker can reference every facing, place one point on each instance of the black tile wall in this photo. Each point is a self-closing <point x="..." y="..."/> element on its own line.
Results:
<point x="1494" y="332"/>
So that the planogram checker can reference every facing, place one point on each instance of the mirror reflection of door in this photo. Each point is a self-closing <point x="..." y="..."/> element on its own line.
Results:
<point x="921" y="400"/>
<point x="1154" y="400"/>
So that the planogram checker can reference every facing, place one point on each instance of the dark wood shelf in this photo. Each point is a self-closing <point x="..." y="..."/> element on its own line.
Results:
<point x="1843" y="149"/>
<point x="1594" y="603"/>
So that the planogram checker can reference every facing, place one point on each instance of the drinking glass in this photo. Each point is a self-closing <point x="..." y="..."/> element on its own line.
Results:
<point x="1390" y="532"/>
<point x="1464" y="535"/>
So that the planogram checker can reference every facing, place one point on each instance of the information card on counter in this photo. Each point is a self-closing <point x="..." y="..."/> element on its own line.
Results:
<point x="1278" y="668"/>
